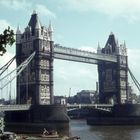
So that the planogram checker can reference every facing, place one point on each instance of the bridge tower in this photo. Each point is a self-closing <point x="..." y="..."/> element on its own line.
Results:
<point x="35" y="83"/>
<point x="113" y="77"/>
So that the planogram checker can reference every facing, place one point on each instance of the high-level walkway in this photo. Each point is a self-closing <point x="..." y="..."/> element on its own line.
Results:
<point x="77" y="55"/>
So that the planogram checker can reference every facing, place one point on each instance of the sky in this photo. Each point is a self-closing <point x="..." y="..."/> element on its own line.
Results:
<point x="80" y="24"/>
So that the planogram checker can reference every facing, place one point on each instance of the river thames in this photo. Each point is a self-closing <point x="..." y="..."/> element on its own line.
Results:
<point x="86" y="132"/>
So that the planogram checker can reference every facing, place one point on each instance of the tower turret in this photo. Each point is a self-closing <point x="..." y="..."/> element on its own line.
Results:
<point x="18" y="35"/>
<point x="111" y="45"/>
<point x="99" y="50"/>
<point x="35" y="25"/>
<point x="50" y="31"/>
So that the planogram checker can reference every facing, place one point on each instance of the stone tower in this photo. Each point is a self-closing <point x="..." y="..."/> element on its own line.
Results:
<point x="35" y="83"/>
<point x="113" y="77"/>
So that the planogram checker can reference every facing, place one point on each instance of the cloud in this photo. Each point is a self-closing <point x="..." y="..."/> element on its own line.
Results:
<point x="74" y="75"/>
<point x="43" y="10"/>
<point x="3" y="24"/>
<point x="27" y="6"/>
<point x="16" y="4"/>
<point x="127" y="9"/>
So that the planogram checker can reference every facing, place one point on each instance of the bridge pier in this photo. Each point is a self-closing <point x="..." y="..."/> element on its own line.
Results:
<point x="38" y="117"/>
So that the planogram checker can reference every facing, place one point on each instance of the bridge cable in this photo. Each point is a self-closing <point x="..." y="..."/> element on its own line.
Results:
<point x="134" y="79"/>
<point x="6" y="66"/>
<point x="18" y="70"/>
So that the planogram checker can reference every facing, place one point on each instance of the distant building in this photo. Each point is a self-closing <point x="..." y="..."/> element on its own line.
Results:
<point x="2" y="101"/>
<point x="60" y="100"/>
<point x="84" y="97"/>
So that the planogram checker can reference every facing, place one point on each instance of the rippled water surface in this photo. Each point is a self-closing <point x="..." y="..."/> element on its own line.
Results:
<point x="86" y="132"/>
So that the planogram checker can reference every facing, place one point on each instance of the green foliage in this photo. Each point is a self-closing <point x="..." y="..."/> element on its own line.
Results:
<point x="7" y="38"/>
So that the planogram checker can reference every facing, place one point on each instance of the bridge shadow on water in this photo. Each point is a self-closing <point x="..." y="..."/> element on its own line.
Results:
<point x="86" y="132"/>
<point x="116" y="132"/>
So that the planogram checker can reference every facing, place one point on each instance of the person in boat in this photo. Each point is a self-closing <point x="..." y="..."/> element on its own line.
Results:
<point x="45" y="132"/>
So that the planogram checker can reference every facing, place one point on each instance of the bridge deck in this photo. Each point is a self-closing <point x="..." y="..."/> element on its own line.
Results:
<point x="89" y="105"/>
<point x="80" y="55"/>
<point x="14" y="107"/>
<point x="27" y="106"/>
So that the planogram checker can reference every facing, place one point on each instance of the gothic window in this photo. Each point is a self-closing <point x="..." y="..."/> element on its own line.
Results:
<point x="32" y="76"/>
<point x="27" y="47"/>
<point x="46" y="46"/>
<point x="108" y="75"/>
<point x="114" y="72"/>
<point x="37" y="32"/>
<point x="40" y="44"/>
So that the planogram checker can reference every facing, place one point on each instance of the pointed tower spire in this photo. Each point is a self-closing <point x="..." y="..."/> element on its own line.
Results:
<point x="50" y="31"/>
<point x="117" y="47"/>
<point x="18" y="35"/>
<point x="124" y="44"/>
<point x="124" y="47"/>
<point x="34" y="22"/>
<point x="50" y="27"/>
<point x="111" y="33"/>
<point x="18" y="30"/>
<point x="111" y="44"/>
<point x="99" y="48"/>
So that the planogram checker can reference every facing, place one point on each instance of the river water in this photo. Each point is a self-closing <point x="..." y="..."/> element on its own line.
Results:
<point x="86" y="132"/>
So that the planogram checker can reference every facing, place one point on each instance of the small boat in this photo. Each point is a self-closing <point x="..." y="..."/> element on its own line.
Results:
<point x="49" y="134"/>
<point x="47" y="138"/>
<point x="7" y="136"/>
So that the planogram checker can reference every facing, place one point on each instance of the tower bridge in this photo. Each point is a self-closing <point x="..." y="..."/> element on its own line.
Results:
<point x="35" y="82"/>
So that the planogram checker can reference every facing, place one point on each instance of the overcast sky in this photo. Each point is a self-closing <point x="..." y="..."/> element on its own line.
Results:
<point x="78" y="24"/>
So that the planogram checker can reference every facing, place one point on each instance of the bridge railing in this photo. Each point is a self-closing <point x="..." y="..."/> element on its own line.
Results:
<point x="103" y="107"/>
<point x="14" y="107"/>
<point x="88" y="105"/>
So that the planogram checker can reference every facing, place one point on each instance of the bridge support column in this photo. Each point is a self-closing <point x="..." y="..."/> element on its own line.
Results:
<point x="35" y="85"/>
<point x="122" y="78"/>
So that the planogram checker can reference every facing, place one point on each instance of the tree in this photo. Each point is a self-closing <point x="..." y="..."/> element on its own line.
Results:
<point x="7" y="38"/>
